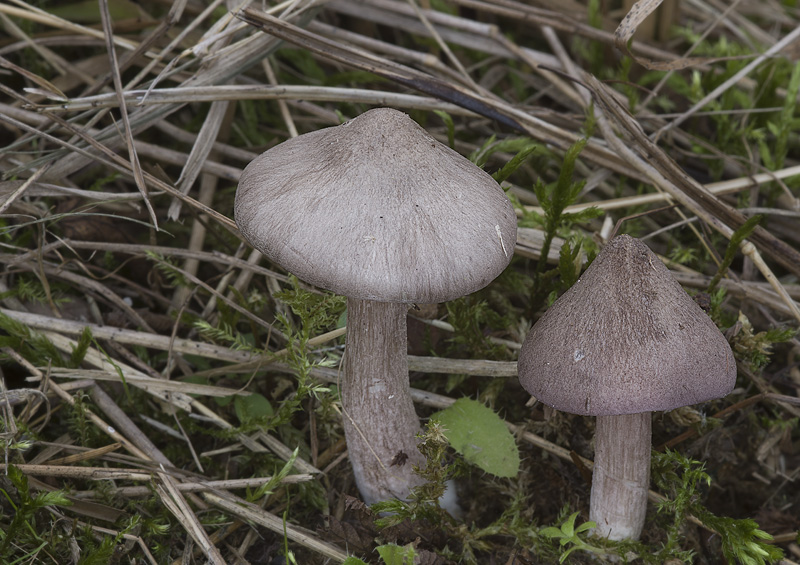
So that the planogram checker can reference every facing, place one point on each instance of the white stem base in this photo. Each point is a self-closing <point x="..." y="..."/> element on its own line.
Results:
<point x="621" y="476"/>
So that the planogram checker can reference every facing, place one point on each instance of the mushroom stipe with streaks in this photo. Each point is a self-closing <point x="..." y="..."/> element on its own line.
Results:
<point x="624" y="341"/>
<point x="381" y="212"/>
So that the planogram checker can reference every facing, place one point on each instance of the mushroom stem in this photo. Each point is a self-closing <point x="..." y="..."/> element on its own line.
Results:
<point x="380" y="423"/>
<point x="621" y="475"/>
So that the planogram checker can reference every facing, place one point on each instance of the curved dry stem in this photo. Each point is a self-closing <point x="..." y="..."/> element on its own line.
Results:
<point x="380" y="423"/>
<point x="621" y="475"/>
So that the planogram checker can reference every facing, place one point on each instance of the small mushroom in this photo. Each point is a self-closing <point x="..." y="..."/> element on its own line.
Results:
<point x="381" y="212"/>
<point x="624" y="341"/>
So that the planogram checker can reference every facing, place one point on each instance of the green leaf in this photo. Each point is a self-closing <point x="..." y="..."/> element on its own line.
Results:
<point x="569" y="266"/>
<point x="583" y="216"/>
<point x="516" y="162"/>
<point x="540" y="190"/>
<point x="395" y="555"/>
<point x="252" y="407"/>
<point x="585" y="527"/>
<point x="353" y="561"/>
<point x="492" y="146"/>
<point x="80" y="349"/>
<point x="567" y="535"/>
<point x="737" y="238"/>
<point x="567" y="191"/>
<point x="481" y="155"/>
<point x="305" y="63"/>
<point x="269" y="487"/>
<point x="54" y="498"/>
<point x="481" y="436"/>
<point x="552" y="532"/>
<point x="568" y="527"/>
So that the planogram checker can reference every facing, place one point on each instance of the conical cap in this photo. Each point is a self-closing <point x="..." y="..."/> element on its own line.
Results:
<point x="626" y="338"/>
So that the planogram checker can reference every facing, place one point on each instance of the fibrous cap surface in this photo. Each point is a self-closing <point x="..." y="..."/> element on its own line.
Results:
<point x="377" y="209"/>
<point x="626" y="338"/>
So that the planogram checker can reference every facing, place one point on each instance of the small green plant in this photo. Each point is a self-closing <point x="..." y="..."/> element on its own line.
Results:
<point x="683" y="255"/>
<point x="103" y="552"/>
<point x="755" y="348"/>
<point x="555" y="197"/>
<point x="33" y="290"/>
<point x="728" y="130"/>
<point x="469" y="316"/>
<point x="269" y="487"/>
<point x="80" y="349"/>
<point x="167" y="267"/>
<point x="225" y="334"/>
<point x="522" y="147"/>
<point x="315" y="313"/>
<point x="423" y="503"/>
<point x="733" y="246"/>
<point x="524" y="153"/>
<point x="569" y="263"/>
<point x="390" y="554"/>
<point x="680" y="477"/>
<point x="774" y="155"/>
<point x="24" y="529"/>
<point x="79" y="422"/>
<point x="742" y="540"/>
<point x="32" y="345"/>
<point x="569" y="536"/>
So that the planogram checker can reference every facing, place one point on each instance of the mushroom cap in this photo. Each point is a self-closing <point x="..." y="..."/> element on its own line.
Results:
<point x="626" y="338"/>
<point x="377" y="209"/>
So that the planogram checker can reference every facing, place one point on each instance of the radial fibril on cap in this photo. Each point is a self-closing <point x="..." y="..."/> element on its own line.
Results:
<point x="377" y="209"/>
<point x="624" y="341"/>
<point x="626" y="338"/>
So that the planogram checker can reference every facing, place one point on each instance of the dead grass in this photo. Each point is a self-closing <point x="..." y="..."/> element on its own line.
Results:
<point x="123" y="131"/>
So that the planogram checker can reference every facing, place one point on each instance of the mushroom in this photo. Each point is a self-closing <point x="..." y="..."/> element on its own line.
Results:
<point x="624" y="341"/>
<point x="379" y="211"/>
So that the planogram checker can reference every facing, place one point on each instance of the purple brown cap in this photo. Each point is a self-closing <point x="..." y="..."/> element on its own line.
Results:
<point x="377" y="209"/>
<point x="626" y="338"/>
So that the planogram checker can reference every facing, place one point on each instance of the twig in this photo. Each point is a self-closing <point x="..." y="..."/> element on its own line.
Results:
<point x="196" y="486"/>
<point x="136" y="167"/>
<point x="176" y="503"/>
<point x="746" y="70"/>
<point x="250" y="512"/>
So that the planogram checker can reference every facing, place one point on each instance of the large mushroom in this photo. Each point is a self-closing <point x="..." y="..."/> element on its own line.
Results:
<point x="624" y="341"/>
<point x="381" y="212"/>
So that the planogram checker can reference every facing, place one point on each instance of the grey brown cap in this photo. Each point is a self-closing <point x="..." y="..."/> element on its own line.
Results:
<point x="626" y="338"/>
<point x="377" y="209"/>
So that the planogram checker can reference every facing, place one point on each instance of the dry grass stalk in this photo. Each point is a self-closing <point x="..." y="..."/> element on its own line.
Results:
<point x="252" y="513"/>
<point x="64" y="124"/>
<point x="189" y="486"/>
